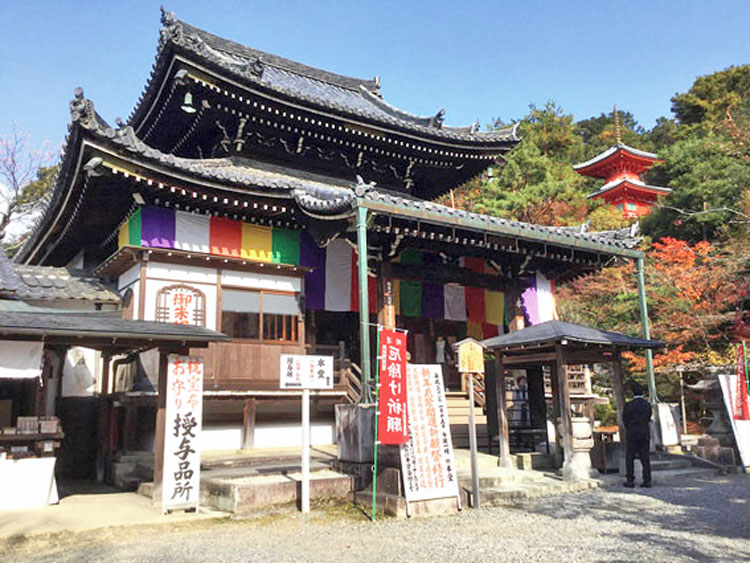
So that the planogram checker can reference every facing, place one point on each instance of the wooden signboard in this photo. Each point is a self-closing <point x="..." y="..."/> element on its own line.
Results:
<point x="470" y="356"/>
<point x="184" y="416"/>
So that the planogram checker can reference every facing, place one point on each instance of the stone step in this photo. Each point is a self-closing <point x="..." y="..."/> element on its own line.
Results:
<point x="243" y="495"/>
<point x="518" y="492"/>
<point x="667" y="464"/>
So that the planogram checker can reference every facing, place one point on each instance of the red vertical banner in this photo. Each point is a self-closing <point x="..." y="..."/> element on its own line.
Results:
<point x="741" y="406"/>
<point x="392" y="421"/>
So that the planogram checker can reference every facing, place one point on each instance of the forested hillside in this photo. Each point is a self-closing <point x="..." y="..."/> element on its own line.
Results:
<point x="697" y="238"/>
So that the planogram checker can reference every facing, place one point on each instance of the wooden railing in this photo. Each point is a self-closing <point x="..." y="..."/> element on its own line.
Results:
<point x="480" y="398"/>
<point x="351" y="377"/>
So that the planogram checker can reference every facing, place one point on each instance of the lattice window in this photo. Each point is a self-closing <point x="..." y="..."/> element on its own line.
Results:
<point x="181" y="304"/>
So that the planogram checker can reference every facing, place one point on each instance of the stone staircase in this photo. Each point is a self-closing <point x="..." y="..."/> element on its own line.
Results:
<point x="712" y="450"/>
<point x="458" y="414"/>
<point x="502" y="485"/>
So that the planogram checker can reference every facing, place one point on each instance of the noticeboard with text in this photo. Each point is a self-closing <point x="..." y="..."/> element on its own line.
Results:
<point x="305" y="372"/>
<point x="427" y="461"/>
<point x="470" y="357"/>
<point x="184" y="415"/>
<point x="392" y="393"/>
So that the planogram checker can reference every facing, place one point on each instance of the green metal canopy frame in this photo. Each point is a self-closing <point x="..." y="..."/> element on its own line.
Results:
<point x="469" y="223"/>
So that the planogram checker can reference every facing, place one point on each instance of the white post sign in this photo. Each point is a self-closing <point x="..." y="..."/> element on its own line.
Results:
<point x="305" y="373"/>
<point x="184" y="415"/>
<point x="427" y="461"/>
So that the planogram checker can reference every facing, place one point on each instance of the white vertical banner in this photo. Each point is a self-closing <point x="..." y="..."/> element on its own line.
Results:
<point x="184" y="415"/>
<point x="740" y="428"/>
<point x="427" y="461"/>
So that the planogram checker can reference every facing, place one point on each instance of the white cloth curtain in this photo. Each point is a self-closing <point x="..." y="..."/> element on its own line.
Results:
<point x="191" y="232"/>
<point x="454" y="300"/>
<point x="20" y="360"/>
<point x="545" y="299"/>
<point x="338" y="276"/>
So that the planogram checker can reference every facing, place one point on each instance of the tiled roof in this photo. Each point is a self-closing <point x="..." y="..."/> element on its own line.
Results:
<point x="352" y="96"/>
<point x="612" y="150"/>
<point x="9" y="282"/>
<point x="556" y="331"/>
<point x="637" y="183"/>
<point x="624" y="238"/>
<point x="48" y="283"/>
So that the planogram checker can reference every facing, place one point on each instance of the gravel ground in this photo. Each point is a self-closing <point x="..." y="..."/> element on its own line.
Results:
<point x="694" y="519"/>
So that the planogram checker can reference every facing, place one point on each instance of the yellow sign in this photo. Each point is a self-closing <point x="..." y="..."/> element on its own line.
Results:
<point x="470" y="357"/>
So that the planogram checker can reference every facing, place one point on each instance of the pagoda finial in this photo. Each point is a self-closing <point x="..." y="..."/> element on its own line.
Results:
<point x="618" y="136"/>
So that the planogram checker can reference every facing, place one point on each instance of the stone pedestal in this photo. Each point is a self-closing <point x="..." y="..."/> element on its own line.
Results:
<point x="579" y="466"/>
<point x="355" y="432"/>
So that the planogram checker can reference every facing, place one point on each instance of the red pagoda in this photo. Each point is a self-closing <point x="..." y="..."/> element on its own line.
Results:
<point x="621" y="166"/>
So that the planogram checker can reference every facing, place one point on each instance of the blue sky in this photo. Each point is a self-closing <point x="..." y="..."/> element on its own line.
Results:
<point x="475" y="59"/>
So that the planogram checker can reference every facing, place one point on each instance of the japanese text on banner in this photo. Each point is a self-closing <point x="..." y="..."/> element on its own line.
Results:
<point x="184" y="414"/>
<point x="427" y="460"/>
<point x="392" y="398"/>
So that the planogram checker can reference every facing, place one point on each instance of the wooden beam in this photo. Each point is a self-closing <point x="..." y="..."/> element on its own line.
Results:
<point x="537" y="358"/>
<point x="566" y="426"/>
<point x="248" y="423"/>
<point x="161" y="413"/>
<point x="502" y="417"/>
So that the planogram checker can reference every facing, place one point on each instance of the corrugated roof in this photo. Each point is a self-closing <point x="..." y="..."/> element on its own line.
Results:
<point x="100" y="325"/>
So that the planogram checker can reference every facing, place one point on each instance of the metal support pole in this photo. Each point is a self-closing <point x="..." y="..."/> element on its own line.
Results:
<point x="364" y="306"/>
<point x="646" y="331"/>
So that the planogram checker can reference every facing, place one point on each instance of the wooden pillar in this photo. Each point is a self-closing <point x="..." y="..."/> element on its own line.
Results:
<point x="566" y="426"/>
<point x="619" y="385"/>
<point x="502" y="416"/>
<point x="248" y="424"/>
<point x="161" y="413"/>
<point x="104" y="433"/>
<point x="386" y="305"/>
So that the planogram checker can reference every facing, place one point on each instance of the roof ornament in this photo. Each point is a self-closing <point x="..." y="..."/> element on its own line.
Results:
<point x="255" y="67"/>
<point x="172" y="30"/>
<point x="81" y="109"/>
<point x="618" y="136"/>
<point x="475" y="126"/>
<point x="363" y="187"/>
<point x="437" y="120"/>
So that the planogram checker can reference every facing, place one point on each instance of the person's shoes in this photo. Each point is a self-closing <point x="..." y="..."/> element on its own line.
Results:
<point x="629" y="484"/>
<point x="646" y="484"/>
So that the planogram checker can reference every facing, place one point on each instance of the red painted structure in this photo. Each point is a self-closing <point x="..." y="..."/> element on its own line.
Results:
<point x="621" y="167"/>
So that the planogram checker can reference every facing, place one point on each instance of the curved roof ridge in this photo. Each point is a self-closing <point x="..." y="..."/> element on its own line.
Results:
<point x="612" y="150"/>
<point x="238" y="49"/>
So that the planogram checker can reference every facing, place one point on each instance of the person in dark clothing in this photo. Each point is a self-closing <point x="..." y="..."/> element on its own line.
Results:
<point x="636" y="418"/>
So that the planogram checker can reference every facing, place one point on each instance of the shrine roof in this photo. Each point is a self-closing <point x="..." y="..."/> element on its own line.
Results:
<point x="359" y="98"/>
<point x="551" y="332"/>
<point x="619" y="150"/>
<point x="628" y="183"/>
